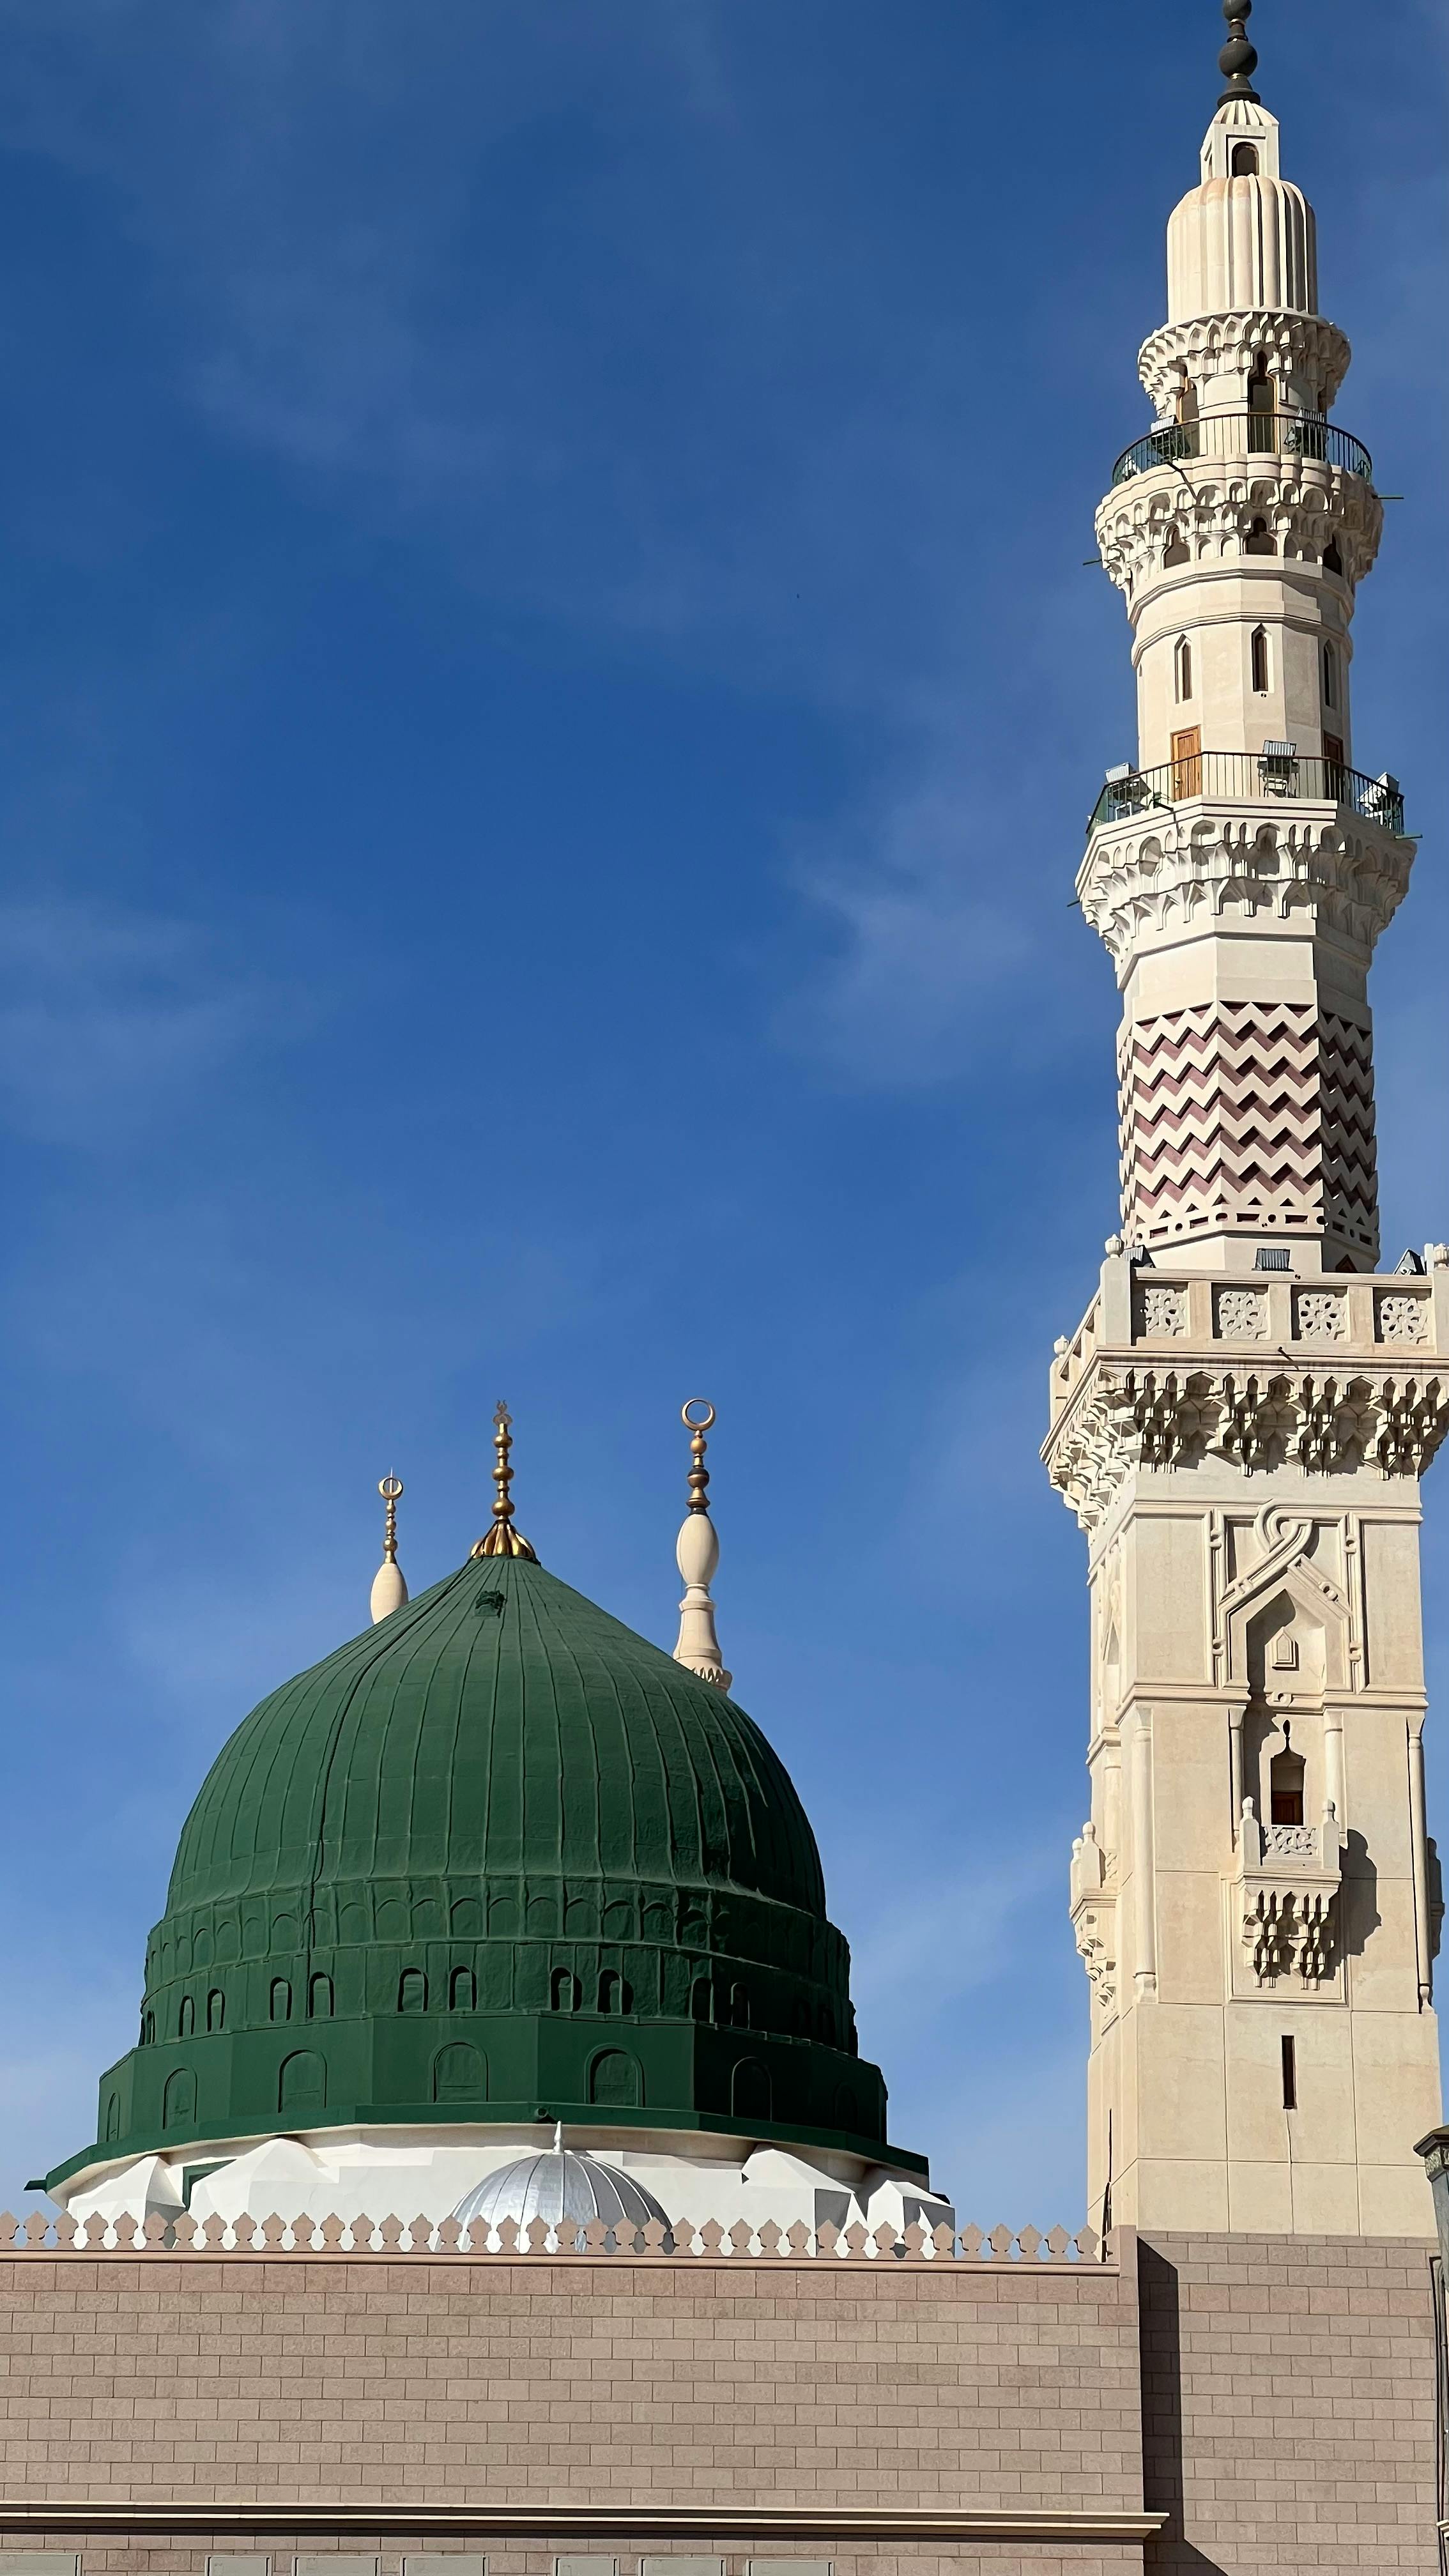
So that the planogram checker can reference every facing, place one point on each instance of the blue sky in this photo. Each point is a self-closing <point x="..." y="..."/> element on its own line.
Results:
<point x="548" y="701"/>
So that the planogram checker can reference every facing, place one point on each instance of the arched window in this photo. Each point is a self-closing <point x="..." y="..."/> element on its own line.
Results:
<point x="412" y="1991"/>
<point x="178" y="2102"/>
<point x="148" y="2029"/>
<point x="1244" y="163"/>
<point x="1332" y="559"/>
<point x="614" y="1994"/>
<point x="460" y="2073"/>
<point x="113" y="2116"/>
<point x="281" y="1999"/>
<point x="462" y="1991"/>
<point x="701" y="1999"/>
<point x="1182" y="668"/>
<point x="319" y="1997"/>
<point x="216" y="2009"/>
<point x="1330" y="676"/>
<point x="1285" y="1788"/>
<point x="740" y="2007"/>
<point x="750" y="2092"/>
<point x="1258" y="540"/>
<point x="302" y="2081"/>
<point x="1262" y="428"/>
<point x="565" y="1990"/>
<point x="1258" y="654"/>
<point x="186" y="2018"/>
<point x="616" y="2081"/>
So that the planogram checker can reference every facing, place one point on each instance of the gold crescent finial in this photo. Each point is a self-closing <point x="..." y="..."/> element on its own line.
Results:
<point x="503" y="1539"/>
<point x="391" y="1490"/>
<point x="698" y="1473"/>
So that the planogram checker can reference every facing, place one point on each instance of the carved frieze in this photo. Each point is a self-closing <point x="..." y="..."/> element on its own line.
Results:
<point x="1156" y="873"/>
<point x="1201" y="511"/>
<point x="1227" y="344"/>
<point x="1285" y="1898"/>
<point x="1390" y="1421"/>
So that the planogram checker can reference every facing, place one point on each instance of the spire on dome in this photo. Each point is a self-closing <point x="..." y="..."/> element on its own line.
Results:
<point x="503" y="1539"/>
<point x="1239" y="57"/>
<point x="696" y="1555"/>
<point x="389" y="1590"/>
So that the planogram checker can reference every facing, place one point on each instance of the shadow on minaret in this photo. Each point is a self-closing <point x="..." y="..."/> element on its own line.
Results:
<point x="1170" y="2553"/>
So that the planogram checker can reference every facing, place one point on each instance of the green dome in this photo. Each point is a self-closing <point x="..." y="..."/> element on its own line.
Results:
<point x="497" y="1859"/>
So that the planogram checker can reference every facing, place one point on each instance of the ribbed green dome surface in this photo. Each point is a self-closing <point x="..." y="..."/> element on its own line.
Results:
<point x="495" y="1859"/>
<point x="500" y="1725"/>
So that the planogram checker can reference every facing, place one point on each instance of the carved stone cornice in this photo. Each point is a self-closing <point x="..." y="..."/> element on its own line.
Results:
<point x="1157" y="871"/>
<point x="1206" y="505"/>
<point x="1228" y="343"/>
<point x="1127" y="1414"/>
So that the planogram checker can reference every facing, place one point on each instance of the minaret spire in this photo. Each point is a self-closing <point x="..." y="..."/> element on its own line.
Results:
<point x="697" y="1555"/>
<point x="1239" y="57"/>
<point x="503" y="1539"/>
<point x="389" y="1591"/>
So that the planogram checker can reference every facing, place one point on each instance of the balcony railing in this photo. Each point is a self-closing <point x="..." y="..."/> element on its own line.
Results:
<point x="1241" y="435"/>
<point x="1277" y="771"/>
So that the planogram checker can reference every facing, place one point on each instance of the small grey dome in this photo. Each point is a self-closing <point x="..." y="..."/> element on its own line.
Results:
<point x="558" y="2188"/>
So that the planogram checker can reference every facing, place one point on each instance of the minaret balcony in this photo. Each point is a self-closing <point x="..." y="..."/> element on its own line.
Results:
<point x="1278" y="773"/>
<point x="1241" y="437"/>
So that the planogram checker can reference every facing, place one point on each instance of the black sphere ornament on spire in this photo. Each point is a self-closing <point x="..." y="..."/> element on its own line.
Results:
<point x="1239" y="58"/>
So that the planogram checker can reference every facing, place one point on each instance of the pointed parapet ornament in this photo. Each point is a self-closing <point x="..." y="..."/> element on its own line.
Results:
<point x="697" y="1555"/>
<point x="389" y="1591"/>
<point x="502" y="1539"/>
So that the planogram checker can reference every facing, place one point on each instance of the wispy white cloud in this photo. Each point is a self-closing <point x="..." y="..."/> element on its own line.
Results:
<point x="107" y="1016"/>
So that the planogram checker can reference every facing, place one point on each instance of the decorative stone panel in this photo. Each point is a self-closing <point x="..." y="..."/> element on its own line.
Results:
<point x="1320" y="1314"/>
<point x="1401" y="1317"/>
<point x="1246" y="1117"/>
<point x="1242" y="1315"/>
<point x="1161" y="1311"/>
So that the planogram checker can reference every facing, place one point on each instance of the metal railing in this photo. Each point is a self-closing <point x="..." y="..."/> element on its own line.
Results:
<point x="1276" y="771"/>
<point x="1240" y="436"/>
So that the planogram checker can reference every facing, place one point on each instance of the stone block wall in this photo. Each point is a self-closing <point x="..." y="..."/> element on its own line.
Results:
<point x="1288" y="2400"/>
<point x="874" y="2414"/>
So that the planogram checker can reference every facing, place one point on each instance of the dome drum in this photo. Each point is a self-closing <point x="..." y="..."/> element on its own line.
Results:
<point x="503" y="2070"/>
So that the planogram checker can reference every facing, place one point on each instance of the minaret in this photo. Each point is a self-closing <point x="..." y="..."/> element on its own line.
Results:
<point x="1242" y="1419"/>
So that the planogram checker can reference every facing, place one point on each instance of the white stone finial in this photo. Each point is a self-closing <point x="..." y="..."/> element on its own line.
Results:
<point x="389" y="1591"/>
<point x="697" y="1555"/>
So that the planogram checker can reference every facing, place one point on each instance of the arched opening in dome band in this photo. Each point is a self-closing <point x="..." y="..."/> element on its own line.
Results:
<point x="178" y="2102"/>
<point x="1245" y="161"/>
<point x="460" y="2073"/>
<point x="216" y="2009"/>
<point x="616" y="2081"/>
<point x="412" y="1991"/>
<point x="302" y="2082"/>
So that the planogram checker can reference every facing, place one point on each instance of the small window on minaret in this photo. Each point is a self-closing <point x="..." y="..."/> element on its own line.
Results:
<point x="1259" y="539"/>
<point x="1262" y="428"/>
<point x="1285" y="1789"/>
<point x="1290" y="2074"/>
<point x="1332" y="559"/>
<point x="1260" y="660"/>
<point x="1330" y="676"/>
<point x="1182" y="668"/>
<point x="1245" y="161"/>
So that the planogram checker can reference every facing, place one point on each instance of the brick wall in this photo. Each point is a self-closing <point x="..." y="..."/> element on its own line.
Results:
<point x="795" y="2387"/>
<point x="1288" y="2404"/>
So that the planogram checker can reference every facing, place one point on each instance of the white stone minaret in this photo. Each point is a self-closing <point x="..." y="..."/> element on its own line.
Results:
<point x="1243" y="1417"/>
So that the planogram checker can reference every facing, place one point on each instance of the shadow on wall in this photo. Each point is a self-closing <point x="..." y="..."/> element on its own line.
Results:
<point x="1171" y="2553"/>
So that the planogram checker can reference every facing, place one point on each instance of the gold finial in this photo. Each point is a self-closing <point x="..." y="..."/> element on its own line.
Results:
<point x="698" y="1473"/>
<point x="391" y="1490"/>
<point x="503" y="1539"/>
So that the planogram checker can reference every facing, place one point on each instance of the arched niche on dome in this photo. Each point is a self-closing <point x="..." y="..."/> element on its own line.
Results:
<point x="616" y="2081"/>
<point x="302" y="2082"/>
<point x="178" y="2102"/>
<point x="460" y="2073"/>
<point x="751" y="2092"/>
